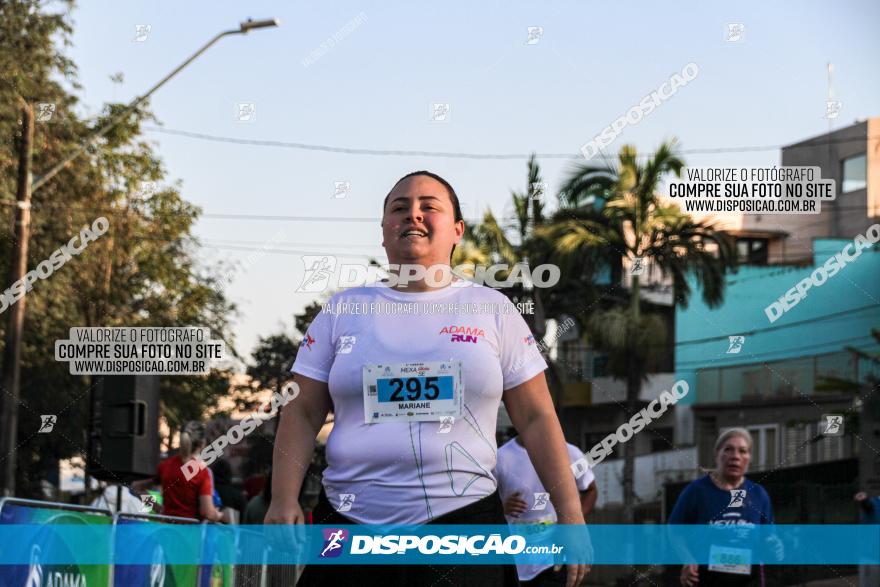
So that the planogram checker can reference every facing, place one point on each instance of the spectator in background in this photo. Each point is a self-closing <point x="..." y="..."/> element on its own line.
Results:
<point x="230" y="496"/>
<point x="520" y="488"/>
<point x="188" y="498"/>
<point x="259" y="504"/>
<point x="253" y="485"/>
<point x="869" y="508"/>
<point x="107" y="500"/>
<point x="869" y="513"/>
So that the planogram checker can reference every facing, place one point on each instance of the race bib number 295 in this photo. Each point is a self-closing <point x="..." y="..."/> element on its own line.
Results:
<point x="412" y="392"/>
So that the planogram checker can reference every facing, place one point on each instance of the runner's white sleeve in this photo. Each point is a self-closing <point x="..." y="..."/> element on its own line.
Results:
<point x="520" y="358"/>
<point x="316" y="352"/>
<point x="582" y="482"/>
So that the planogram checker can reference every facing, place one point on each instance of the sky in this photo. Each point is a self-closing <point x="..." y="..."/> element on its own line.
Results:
<point x="382" y="66"/>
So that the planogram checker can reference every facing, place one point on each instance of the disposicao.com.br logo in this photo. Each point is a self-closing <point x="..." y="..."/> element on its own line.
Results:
<point x="429" y="545"/>
<point x="410" y="547"/>
<point x="322" y="273"/>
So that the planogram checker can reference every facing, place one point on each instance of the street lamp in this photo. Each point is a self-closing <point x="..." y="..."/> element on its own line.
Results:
<point x="243" y="29"/>
<point x="9" y="375"/>
<point x="250" y="24"/>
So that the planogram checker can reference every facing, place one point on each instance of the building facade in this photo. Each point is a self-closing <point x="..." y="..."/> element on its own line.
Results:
<point x="752" y="362"/>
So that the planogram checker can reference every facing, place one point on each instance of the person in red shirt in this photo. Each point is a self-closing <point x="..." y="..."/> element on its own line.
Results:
<point x="188" y="498"/>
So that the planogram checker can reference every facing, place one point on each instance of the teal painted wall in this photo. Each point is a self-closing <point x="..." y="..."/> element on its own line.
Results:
<point x="840" y="313"/>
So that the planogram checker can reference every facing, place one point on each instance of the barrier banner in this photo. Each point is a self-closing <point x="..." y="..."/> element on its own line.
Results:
<point x="158" y="572"/>
<point x="216" y="546"/>
<point x="48" y="554"/>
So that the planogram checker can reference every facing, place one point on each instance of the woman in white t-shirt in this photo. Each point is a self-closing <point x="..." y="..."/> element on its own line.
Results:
<point x="415" y="375"/>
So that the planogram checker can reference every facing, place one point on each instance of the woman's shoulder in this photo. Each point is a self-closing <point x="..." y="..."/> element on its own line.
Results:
<point x="701" y="483"/>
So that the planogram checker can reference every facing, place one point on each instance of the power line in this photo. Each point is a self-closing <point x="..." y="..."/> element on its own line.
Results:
<point x="292" y="218"/>
<point x="778" y="326"/>
<point x="293" y="252"/>
<point x="228" y="216"/>
<point x="762" y="359"/>
<point x="289" y="244"/>
<point x="462" y="155"/>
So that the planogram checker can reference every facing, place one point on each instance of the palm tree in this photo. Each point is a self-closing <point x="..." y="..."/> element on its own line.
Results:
<point x="613" y="215"/>
<point x="491" y="242"/>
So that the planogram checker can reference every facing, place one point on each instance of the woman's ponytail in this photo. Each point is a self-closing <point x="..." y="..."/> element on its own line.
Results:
<point x="192" y="435"/>
<point x="185" y="445"/>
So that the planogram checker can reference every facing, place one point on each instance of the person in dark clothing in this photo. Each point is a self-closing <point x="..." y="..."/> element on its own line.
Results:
<point x="230" y="496"/>
<point x="257" y="507"/>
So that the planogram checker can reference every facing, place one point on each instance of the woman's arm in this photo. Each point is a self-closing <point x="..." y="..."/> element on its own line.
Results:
<point x="532" y="414"/>
<point x="588" y="499"/>
<point x="207" y="509"/>
<point x="301" y="420"/>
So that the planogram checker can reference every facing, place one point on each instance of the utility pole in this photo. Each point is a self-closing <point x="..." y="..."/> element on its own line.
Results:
<point x="835" y="208"/>
<point x="26" y="186"/>
<point x="15" y="316"/>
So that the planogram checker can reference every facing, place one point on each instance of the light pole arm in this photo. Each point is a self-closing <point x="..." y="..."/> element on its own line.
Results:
<point x="119" y="117"/>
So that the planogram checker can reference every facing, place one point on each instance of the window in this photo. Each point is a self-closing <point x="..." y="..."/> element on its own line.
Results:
<point x="764" y="452"/>
<point x="854" y="173"/>
<point x="789" y="378"/>
<point x="600" y="366"/>
<point x="752" y="251"/>
<point x="804" y="444"/>
<point x="661" y="439"/>
<point x="797" y="446"/>
<point x="573" y="357"/>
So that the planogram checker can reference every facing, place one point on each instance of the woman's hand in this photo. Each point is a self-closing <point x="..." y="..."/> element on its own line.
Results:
<point x="576" y="573"/>
<point x="690" y="575"/>
<point x="281" y="512"/>
<point x="515" y="505"/>
<point x="284" y="527"/>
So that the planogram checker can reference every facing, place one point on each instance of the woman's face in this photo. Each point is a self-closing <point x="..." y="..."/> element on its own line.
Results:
<point x="418" y="223"/>
<point x="733" y="457"/>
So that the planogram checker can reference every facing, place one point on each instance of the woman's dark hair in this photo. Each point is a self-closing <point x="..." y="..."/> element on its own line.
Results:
<point x="456" y="207"/>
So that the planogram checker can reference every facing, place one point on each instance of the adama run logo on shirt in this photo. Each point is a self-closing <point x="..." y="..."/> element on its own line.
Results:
<point x="463" y="333"/>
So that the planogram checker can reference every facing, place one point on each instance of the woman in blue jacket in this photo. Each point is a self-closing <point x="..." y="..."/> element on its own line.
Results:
<point x="725" y="497"/>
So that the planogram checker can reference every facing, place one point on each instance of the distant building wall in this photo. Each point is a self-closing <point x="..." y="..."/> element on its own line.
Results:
<point x="844" y="217"/>
<point x="786" y="357"/>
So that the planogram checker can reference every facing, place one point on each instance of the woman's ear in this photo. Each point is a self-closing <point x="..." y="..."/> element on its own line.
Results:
<point x="459" y="231"/>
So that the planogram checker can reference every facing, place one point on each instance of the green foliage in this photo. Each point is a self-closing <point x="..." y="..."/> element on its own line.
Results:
<point x="302" y="321"/>
<point x="142" y="272"/>
<point x="612" y="214"/>
<point x="273" y="358"/>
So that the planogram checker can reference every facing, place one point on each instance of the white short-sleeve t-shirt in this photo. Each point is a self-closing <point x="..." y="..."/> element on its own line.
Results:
<point x="413" y="472"/>
<point x="515" y="473"/>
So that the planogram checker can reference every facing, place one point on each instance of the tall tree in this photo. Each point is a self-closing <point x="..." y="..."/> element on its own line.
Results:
<point x="522" y="241"/>
<point x="615" y="214"/>
<point x="273" y="357"/>
<point x="142" y="272"/>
